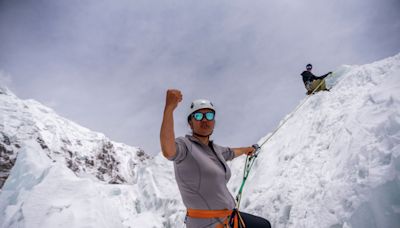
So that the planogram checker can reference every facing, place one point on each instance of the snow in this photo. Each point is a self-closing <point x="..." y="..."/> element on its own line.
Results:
<point x="65" y="141"/>
<point x="335" y="163"/>
<point x="43" y="193"/>
<point x="336" y="158"/>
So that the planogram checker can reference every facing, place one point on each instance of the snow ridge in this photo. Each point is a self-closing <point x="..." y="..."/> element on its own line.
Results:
<point x="85" y="152"/>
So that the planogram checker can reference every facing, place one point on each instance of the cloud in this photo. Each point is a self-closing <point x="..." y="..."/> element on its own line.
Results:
<point x="5" y="79"/>
<point x="107" y="64"/>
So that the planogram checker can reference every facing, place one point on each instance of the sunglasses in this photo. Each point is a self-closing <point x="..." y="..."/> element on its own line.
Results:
<point x="200" y="116"/>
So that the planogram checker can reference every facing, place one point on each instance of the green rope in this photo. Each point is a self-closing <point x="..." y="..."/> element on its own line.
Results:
<point x="248" y="165"/>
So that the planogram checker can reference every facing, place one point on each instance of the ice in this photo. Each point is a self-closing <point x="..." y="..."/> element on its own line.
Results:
<point x="334" y="164"/>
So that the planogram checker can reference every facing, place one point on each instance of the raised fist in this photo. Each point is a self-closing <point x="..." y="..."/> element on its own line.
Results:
<point x="174" y="96"/>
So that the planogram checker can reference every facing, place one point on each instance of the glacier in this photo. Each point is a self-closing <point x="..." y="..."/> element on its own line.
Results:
<point x="335" y="163"/>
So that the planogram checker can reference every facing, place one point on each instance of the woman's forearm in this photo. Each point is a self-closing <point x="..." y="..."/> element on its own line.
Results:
<point x="243" y="150"/>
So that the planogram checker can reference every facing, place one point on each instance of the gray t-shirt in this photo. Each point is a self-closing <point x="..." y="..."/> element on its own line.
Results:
<point x="202" y="174"/>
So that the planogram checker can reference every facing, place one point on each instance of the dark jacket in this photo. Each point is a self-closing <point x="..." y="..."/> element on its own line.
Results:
<point x="309" y="77"/>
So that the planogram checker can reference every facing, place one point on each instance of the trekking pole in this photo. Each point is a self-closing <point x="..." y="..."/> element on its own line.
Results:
<point x="251" y="158"/>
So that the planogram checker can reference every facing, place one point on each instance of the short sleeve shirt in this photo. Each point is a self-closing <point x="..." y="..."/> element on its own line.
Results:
<point x="202" y="173"/>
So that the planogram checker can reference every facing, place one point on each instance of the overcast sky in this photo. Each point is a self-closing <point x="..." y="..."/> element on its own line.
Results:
<point x="107" y="64"/>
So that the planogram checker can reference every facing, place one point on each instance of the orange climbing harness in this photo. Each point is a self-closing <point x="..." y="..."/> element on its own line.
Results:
<point x="232" y="218"/>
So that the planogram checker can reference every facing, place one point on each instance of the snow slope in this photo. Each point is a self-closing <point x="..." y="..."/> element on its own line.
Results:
<point x="335" y="163"/>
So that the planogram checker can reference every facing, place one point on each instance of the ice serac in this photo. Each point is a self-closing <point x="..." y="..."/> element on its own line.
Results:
<point x="335" y="163"/>
<point x="42" y="193"/>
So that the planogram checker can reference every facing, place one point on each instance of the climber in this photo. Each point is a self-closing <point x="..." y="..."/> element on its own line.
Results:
<point x="201" y="171"/>
<point x="311" y="82"/>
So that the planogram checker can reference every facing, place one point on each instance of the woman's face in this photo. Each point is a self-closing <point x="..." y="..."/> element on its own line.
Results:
<point x="202" y="127"/>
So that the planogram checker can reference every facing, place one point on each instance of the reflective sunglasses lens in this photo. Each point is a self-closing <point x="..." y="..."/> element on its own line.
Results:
<point x="210" y="115"/>
<point x="198" y="116"/>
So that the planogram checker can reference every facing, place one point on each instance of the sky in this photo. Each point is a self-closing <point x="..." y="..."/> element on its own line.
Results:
<point x="106" y="65"/>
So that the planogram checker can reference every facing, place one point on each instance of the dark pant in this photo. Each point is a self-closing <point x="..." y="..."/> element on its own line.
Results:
<point x="252" y="221"/>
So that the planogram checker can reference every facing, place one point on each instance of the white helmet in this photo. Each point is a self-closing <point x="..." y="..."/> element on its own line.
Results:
<point x="199" y="104"/>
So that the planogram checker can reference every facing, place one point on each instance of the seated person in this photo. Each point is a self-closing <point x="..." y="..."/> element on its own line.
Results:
<point x="311" y="82"/>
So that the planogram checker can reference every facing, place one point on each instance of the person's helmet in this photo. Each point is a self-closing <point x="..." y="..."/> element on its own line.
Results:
<point x="199" y="104"/>
<point x="309" y="66"/>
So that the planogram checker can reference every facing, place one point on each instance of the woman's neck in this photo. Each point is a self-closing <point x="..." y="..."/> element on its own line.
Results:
<point x="203" y="139"/>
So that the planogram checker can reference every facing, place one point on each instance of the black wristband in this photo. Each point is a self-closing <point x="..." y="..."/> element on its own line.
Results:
<point x="256" y="146"/>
